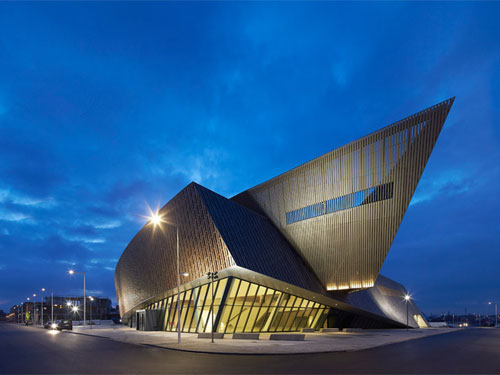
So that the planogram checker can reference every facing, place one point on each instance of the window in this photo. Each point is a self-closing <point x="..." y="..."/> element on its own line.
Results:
<point x="356" y="199"/>
<point x="248" y="307"/>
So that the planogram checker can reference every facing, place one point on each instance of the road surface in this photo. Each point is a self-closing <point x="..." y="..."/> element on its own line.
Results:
<point x="33" y="350"/>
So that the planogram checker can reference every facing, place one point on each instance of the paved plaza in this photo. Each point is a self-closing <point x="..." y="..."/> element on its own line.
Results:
<point x="314" y="342"/>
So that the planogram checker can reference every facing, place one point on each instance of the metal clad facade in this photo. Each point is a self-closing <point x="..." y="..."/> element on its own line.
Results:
<point x="148" y="266"/>
<point x="342" y="210"/>
<point x="215" y="233"/>
<point x="255" y="244"/>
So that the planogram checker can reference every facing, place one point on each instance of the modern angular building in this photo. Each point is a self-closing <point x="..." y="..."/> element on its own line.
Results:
<point x="302" y="250"/>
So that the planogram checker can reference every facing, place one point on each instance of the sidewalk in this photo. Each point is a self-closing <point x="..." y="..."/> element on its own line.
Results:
<point x="314" y="342"/>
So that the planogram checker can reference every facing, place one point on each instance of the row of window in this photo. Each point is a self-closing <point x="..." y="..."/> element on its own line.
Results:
<point x="359" y="198"/>
<point x="246" y="307"/>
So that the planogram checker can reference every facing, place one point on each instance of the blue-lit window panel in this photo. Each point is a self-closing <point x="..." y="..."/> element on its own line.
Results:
<point x="304" y="213"/>
<point x="344" y="202"/>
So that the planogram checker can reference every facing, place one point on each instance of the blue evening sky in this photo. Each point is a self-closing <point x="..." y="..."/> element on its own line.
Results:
<point x="107" y="107"/>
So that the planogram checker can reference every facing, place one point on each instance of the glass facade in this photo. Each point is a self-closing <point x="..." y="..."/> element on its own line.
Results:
<point x="359" y="198"/>
<point x="239" y="306"/>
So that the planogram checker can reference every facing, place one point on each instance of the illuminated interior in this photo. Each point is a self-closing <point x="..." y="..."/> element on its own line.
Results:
<point x="246" y="307"/>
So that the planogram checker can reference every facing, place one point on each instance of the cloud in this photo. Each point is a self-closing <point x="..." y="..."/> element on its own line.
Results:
<point x="108" y="225"/>
<point x="103" y="260"/>
<point x="7" y="196"/>
<point x="86" y="239"/>
<point x="449" y="182"/>
<point x="7" y="215"/>
<point x="200" y="167"/>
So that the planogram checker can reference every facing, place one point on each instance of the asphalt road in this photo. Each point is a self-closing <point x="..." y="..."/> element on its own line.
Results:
<point x="32" y="350"/>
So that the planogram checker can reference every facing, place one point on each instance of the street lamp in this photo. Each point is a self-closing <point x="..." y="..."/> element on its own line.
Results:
<point x="41" y="306"/>
<point x="34" y="303"/>
<point x="407" y="300"/>
<point x="496" y="312"/>
<point x="72" y="272"/>
<point x="212" y="276"/>
<point x="91" y="300"/>
<point x="157" y="219"/>
<point x="52" y="307"/>
<point x="27" y="309"/>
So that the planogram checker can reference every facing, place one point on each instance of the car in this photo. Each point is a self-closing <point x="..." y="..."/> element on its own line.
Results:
<point x="51" y="325"/>
<point x="64" y="324"/>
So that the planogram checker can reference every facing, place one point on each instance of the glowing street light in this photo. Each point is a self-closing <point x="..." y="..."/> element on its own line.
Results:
<point x="157" y="219"/>
<point x="75" y="308"/>
<point x="72" y="272"/>
<point x="407" y="300"/>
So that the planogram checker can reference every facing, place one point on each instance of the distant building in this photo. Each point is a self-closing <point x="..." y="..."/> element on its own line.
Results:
<point x="96" y="309"/>
<point x="302" y="250"/>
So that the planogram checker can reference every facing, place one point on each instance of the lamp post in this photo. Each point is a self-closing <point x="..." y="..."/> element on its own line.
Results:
<point x="407" y="299"/>
<point x="496" y="313"/>
<point x="41" y="305"/>
<point x="72" y="272"/>
<point x="212" y="276"/>
<point x="27" y="310"/>
<point x="156" y="219"/>
<point x="91" y="300"/>
<point x="52" y="307"/>
<point x="34" y="303"/>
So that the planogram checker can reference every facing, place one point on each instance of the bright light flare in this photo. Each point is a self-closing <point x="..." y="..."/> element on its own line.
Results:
<point x="154" y="217"/>
<point x="53" y="325"/>
<point x="54" y="332"/>
<point x="74" y="308"/>
<point x="43" y="289"/>
<point x="71" y="272"/>
<point x="407" y="297"/>
<point x="68" y="304"/>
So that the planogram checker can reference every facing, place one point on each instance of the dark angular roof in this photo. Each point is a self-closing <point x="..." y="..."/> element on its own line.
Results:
<point x="256" y="244"/>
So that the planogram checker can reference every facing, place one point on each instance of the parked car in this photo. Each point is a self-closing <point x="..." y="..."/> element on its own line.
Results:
<point x="47" y="324"/>
<point x="65" y="324"/>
